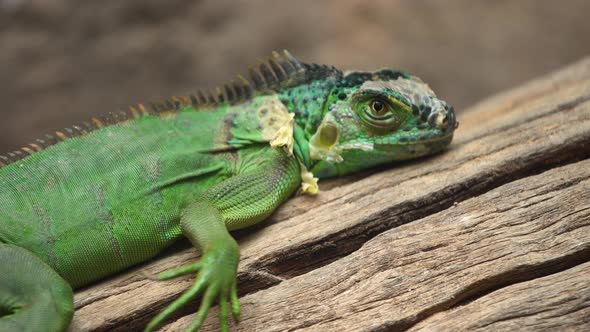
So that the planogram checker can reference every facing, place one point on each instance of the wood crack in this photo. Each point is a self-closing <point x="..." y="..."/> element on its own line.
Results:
<point x="522" y="274"/>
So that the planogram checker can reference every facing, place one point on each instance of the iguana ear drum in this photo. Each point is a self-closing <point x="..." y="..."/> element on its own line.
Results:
<point x="327" y="135"/>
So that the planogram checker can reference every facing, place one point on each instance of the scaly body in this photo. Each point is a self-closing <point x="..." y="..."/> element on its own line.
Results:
<point x="119" y="191"/>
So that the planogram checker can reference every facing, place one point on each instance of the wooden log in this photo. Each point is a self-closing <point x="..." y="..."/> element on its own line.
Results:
<point x="557" y="302"/>
<point x="519" y="231"/>
<point x="543" y="125"/>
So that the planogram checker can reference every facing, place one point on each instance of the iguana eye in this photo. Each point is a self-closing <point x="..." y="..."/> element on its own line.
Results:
<point x="379" y="111"/>
<point x="378" y="114"/>
<point x="378" y="108"/>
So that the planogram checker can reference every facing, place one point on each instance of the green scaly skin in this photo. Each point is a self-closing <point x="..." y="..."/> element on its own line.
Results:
<point x="95" y="204"/>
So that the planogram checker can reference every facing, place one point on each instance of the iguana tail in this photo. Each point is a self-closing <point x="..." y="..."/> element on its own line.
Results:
<point x="33" y="297"/>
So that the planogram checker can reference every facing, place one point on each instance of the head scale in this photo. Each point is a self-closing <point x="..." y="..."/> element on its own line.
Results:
<point x="375" y="118"/>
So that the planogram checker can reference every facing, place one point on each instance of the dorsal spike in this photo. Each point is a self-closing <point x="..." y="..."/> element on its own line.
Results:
<point x="211" y="98"/>
<point x="4" y="160"/>
<point x="237" y="88"/>
<point x="267" y="73"/>
<point x="285" y="64"/>
<point x="194" y="100"/>
<point x="246" y="87"/>
<point x="176" y="103"/>
<point x="41" y="142"/>
<point x="79" y="130"/>
<point x="293" y="60"/>
<point x="161" y="106"/>
<point x="169" y="106"/>
<point x="277" y="70"/>
<point x="97" y="123"/>
<point x="202" y="97"/>
<point x="184" y="100"/>
<point x="143" y="110"/>
<point x="113" y="118"/>
<point x="27" y="150"/>
<point x="243" y="80"/>
<point x="229" y="93"/>
<point x="18" y="155"/>
<point x="257" y="78"/>
<point x="153" y="108"/>
<point x="89" y="126"/>
<point x="107" y="119"/>
<point x="134" y="112"/>
<point x="36" y="147"/>
<point x="50" y="139"/>
<point x="61" y="136"/>
<point x="119" y="116"/>
<point x="220" y="95"/>
<point x="123" y="116"/>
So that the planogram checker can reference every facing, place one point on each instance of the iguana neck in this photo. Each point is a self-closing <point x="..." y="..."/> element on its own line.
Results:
<point x="307" y="102"/>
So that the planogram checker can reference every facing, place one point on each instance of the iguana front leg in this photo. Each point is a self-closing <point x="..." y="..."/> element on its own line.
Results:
<point x="238" y="202"/>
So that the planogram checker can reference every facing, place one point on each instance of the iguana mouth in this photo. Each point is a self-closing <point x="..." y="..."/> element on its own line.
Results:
<point x="439" y="139"/>
<point x="429" y="140"/>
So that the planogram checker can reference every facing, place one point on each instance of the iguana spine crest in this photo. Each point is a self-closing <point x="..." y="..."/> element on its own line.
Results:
<point x="279" y="71"/>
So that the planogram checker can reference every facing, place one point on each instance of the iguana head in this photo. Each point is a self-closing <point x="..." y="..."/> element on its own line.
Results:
<point x="376" y="118"/>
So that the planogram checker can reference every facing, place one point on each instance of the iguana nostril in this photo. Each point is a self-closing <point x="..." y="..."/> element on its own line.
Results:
<point x="433" y="120"/>
<point x="443" y="121"/>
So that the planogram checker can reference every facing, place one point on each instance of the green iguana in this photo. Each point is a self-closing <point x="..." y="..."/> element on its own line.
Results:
<point x="93" y="200"/>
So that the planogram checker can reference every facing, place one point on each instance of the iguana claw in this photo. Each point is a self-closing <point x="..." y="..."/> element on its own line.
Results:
<point x="216" y="280"/>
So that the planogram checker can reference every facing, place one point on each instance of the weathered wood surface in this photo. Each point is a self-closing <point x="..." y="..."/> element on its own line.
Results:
<point x="521" y="230"/>
<point x="560" y="301"/>
<point x="507" y="206"/>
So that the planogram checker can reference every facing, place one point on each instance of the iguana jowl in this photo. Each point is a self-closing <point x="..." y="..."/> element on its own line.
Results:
<point x="96" y="199"/>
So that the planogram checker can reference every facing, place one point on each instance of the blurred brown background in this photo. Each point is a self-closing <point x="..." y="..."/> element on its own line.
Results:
<point x="62" y="61"/>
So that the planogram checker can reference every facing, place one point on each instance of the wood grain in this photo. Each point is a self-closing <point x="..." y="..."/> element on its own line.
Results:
<point x="532" y="129"/>
<point x="560" y="301"/>
<point x="519" y="231"/>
